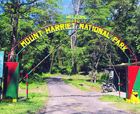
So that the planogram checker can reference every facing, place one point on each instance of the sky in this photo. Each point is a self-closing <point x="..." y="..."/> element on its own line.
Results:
<point x="67" y="5"/>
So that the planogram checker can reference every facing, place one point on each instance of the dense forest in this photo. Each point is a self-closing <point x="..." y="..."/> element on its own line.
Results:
<point x="85" y="52"/>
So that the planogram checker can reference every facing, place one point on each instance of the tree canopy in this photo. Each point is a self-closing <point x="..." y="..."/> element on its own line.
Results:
<point x="89" y="52"/>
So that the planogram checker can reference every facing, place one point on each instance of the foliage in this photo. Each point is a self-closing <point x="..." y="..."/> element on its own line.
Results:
<point x="103" y="77"/>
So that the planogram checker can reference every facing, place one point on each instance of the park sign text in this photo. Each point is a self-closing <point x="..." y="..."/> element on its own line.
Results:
<point x="1" y="63"/>
<point x="76" y="17"/>
<point x="73" y="25"/>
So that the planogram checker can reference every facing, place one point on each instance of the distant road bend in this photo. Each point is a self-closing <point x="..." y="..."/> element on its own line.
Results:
<point x="65" y="99"/>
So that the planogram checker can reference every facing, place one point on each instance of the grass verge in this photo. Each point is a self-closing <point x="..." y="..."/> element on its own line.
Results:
<point x="82" y="82"/>
<point x="111" y="98"/>
<point x="38" y="96"/>
<point x="121" y="103"/>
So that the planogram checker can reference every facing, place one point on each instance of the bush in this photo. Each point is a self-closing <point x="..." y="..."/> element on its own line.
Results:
<point x="102" y="77"/>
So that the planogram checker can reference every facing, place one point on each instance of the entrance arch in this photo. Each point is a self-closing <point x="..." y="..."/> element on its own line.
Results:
<point x="80" y="26"/>
<point x="132" y="72"/>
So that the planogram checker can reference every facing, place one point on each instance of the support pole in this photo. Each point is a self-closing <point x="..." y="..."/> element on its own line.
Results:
<point x="119" y="87"/>
<point x="27" y="86"/>
<point x="0" y="89"/>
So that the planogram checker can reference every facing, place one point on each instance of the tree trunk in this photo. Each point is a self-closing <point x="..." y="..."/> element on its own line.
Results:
<point x="95" y="76"/>
<point x="91" y="79"/>
<point x="51" y="63"/>
<point x="72" y="54"/>
<point x="95" y="66"/>
<point x="14" y="11"/>
<point x="14" y="24"/>
<point x="74" y="39"/>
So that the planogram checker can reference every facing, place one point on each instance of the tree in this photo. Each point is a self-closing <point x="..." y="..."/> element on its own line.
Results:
<point x="44" y="45"/>
<point x="125" y="15"/>
<point x="13" y="8"/>
<point x="76" y="7"/>
<point x="101" y="11"/>
<point x="22" y="18"/>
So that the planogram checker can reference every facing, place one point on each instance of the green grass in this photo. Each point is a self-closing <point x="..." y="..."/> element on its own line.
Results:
<point x="76" y="80"/>
<point x="36" y="80"/>
<point x="111" y="98"/>
<point x="121" y="103"/>
<point x="51" y="75"/>
<point x="38" y="96"/>
<point x="133" y="108"/>
<point x="80" y="87"/>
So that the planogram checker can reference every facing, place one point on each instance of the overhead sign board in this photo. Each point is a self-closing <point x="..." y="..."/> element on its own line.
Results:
<point x="68" y="26"/>
<point x="1" y="63"/>
<point x="76" y="17"/>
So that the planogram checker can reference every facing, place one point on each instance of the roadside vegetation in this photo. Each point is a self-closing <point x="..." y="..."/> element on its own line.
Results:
<point x="38" y="96"/>
<point x="82" y="82"/>
<point x="111" y="98"/>
<point x="121" y="103"/>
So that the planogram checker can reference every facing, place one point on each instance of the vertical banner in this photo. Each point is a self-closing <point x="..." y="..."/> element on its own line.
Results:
<point x="11" y="80"/>
<point x="1" y="63"/>
<point x="133" y="80"/>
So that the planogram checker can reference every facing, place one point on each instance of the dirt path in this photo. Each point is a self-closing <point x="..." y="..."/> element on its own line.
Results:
<point x="65" y="99"/>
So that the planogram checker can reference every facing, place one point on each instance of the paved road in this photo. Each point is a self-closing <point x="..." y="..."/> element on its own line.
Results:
<point x="65" y="99"/>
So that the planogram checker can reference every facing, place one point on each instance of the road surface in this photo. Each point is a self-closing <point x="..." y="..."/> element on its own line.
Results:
<point x="65" y="99"/>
